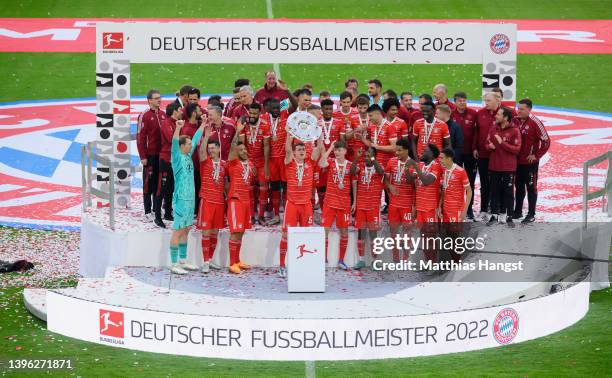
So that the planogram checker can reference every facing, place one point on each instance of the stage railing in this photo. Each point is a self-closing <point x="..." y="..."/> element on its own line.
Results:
<point x="605" y="192"/>
<point x="87" y="178"/>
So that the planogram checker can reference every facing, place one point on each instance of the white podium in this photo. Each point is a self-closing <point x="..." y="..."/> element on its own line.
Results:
<point x="305" y="259"/>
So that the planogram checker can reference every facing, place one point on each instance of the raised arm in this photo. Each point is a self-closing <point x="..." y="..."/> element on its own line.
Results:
<point x="239" y="128"/>
<point x="177" y="130"/>
<point x="288" y="147"/>
<point x="293" y="104"/>
<point x="175" y="149"/>
<point x="318" y="150"/>
<point x="196" y="139"/>
<point x="203" y="150"/>
<point x="323" y="161"/>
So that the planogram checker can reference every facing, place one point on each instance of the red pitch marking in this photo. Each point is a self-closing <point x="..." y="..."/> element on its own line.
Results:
<point x="78" y="35"/>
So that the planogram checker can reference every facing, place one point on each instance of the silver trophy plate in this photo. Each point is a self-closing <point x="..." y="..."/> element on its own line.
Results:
<point x="304" y="126"/>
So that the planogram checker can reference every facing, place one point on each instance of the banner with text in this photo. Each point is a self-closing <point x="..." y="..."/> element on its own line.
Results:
<point x="312" y="42"/>
<point x="286" y="338"/>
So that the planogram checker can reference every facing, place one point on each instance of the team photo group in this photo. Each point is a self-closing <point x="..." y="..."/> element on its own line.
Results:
<point x="377" y="159"/>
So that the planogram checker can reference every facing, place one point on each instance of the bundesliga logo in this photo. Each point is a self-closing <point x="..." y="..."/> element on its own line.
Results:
<point x="505" y="326"/>
<point x="111" y="323"/>
<point x="302" y="249"/>
<point x="112" y="41"/>
<point x="500" y="43"/>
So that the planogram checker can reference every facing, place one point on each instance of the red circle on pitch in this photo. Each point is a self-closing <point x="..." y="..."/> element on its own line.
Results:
<point x="121" y="147"/>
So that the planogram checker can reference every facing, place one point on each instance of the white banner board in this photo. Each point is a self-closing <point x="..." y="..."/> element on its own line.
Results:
<point x="286" y="338"/>
<point x="305" y="259"/>
<point x="303" y="42"/>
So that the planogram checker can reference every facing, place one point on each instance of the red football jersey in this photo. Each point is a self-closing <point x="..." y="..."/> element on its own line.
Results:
<point x="212" y="179"/>
<point x="338" y="192"/>
<point x="241" y="177"/>
<point x="428" y="196"/>
<point x="278" y="134"/>
<point x="381" y="135"/>
<point x="398" y="176"/>
<point x="239" y="111"/>
<point x="425" y="133"/>
<point x="369" y="188"/>
<point x="401" y="128"/>
<point x="454" y="182"/>
<point x="331" y="130"/>
<point x="345" y="117"/>
<point x="254" y="136"/>
<point x="355" y="143"/>
<point x="300" y="192"/>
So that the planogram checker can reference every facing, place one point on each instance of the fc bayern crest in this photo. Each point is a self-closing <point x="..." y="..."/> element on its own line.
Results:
<point x="505" y="326"/>
<point x="500" y="43"/>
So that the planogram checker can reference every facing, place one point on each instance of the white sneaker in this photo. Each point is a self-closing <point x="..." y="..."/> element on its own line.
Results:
<point x="185" y="265"/>
<point x="342" y="265"/>
<point x="502" y="218"/>
<point x="483" y="216"/>
<point x="206" y="267"/>
<point x="214" y="266"/>
<point x="176" y="269"/>
<point x="282" y="272"/>
<point x="149" y="217"/>
<point x="274" y="221"/>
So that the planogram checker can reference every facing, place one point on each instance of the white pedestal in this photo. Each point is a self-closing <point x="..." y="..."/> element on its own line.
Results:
<point x="305" y="259"/>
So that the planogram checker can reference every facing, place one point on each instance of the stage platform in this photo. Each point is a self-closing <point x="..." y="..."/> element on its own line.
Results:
<point x="359" y="316"/>
<point x="128" y="299"/>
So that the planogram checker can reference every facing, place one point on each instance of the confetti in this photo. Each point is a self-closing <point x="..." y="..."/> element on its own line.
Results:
<point x="55" y="255"/>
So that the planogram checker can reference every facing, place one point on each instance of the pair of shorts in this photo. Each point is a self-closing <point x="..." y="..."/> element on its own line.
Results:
<point x="183" y="213"/>
<point x="210" y="215"/>
<point x="451" y="221"/>
<point x="261" y="173"/>
<point x="238" y="215"/>
<point x="277" y="168"/>
<point x="452" y="216"/>
<point x="341" y="216"/>
<point x="369" y="219"/>
<point x="297" y="215"/>
<point x="398" y="215"/>
<point x="428" y="216"/>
